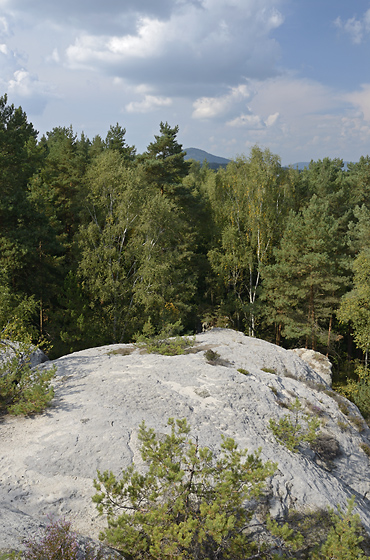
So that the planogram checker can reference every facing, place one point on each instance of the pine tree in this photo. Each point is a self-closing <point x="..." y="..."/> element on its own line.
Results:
<point x="189" y="503"/>
<point x="164" y="162"/>
<point x="302" y="289"/>
<point x="344" y="537"/>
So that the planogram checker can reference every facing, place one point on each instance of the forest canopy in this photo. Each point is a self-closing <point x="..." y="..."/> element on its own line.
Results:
<point x="98" y="243"/>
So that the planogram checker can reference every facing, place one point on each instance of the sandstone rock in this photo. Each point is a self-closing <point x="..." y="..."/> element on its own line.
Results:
<point x="318" y="362"/>
<point x="48" y="462"/>
<point x="8" y="350"/>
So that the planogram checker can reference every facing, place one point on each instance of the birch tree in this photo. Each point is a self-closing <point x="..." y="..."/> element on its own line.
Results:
<point x="250" y="201"/>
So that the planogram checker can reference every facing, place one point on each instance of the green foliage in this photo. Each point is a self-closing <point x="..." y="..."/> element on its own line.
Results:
<point x="302" y="288"/>
<point x="365" y="448"/>
<point x="344" y="537"/>
<point x="23" y="390"/>
<point x="188" y="503"/>
<point x="59" y="543"/>
<point x="164" y="161"/>
<point x="361" y="398"/>
<point x="115" y="140"/>
<point x="249" y="203"/>
<point x="269" y="370"/>
<point x="303" y="531"/>
<point x="98" y="240"/>
<point x="211" y="356"/>
<point x="290" y="432"/>
<point x="292" y="538"/>
<point x="135" y="251"/>
<point x="357" y="422"/>
<point x="243" y="371"/>
<point x="10" y="555"/>
<point x="358" y="391"/>
<point x="166" y="342"/>
<point x="355" y="304"/>
<point x="344" y="426"/>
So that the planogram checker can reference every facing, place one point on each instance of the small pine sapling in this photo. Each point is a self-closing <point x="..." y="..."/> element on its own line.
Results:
<point x="189" y="503"/>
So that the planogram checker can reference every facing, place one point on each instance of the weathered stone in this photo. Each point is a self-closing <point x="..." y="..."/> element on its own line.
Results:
<point x="318" y="362"/>
<point x="48" y="462"/>
<point x="8" y="349"/>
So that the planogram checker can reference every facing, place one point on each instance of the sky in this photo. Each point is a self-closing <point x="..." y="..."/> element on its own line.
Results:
<point x="289" y="75"/>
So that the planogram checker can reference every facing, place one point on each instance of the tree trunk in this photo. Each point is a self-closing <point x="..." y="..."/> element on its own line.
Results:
<point x="329" y="334"/>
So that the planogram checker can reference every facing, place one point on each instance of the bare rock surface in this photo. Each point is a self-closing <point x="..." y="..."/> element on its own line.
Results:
<point x="48" y="462"/>
<point x="318" y="362"/>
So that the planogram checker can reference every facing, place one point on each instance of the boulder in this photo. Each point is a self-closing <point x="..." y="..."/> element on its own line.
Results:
<point x="48" y="462"/>
<point x="34" y="357"/>
<point x="318" y="362"/>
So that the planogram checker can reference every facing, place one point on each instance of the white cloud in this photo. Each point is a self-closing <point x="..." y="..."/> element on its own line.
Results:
<point x="210" y="107"/>
<point x="361" y="100"/>
<point x="4" y="27"/>
<point x="147" y="43"/>
<point x="199" y="43"/>
<point x="247" y="121"/>
<point x="252" y="121"/>
<point x="149" y="103"/>
<point x="24" y="86"/>
<point x="23" y="83"/>
<point x="355" y="28"/>
<point x="271" y="119"/>
<point x="54" y="57"/>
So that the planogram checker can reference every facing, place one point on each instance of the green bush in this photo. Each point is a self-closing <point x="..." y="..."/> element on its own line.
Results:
<point x="269" y="370"/>
<point x="167" y="342"/>
<point x="23" y="390"/>
<point x="361" y="398"/>
<point x="365" y="448"/>
<point x="211" y="356"/>
<point x="188" y="504"/>
<point x="344" y="537"/>
<point x="290" y="432"/>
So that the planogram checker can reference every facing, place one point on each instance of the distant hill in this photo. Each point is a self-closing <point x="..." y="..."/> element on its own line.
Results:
<point x="214" y="162"/>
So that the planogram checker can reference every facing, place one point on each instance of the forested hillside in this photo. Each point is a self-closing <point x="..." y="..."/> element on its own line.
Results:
<point x="100" y="244"/>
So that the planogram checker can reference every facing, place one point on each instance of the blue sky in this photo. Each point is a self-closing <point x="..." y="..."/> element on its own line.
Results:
<point x="289" y="75"/>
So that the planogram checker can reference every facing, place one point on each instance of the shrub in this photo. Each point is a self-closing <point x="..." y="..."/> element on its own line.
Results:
<point x="59" y="543"/>
<point x="243" y="371"/>
<point x="365" y="448"/>
<point x="211" y="356"/>
<point x="167" y="342"/>
<point x="290" y="432"/>
<point x="359" y="391"/>
<point x="188" y="504"/>
<point x="121" y="352"/>
<point x="344" y="426"/>
<point x="23" y="390"/>
<point x="357" y="421"/>
<point x="269" y="370"/>
<point x="342" y="405"/>
<point x="361" y="398"/>
<point x="326" y="447"/>
<point x="344" y="537"/>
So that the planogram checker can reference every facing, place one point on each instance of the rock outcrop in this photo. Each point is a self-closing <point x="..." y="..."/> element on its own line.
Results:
<point x="34" y="357"/>
<point x="318" y="362"/>
<point x="48" y="462"/>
